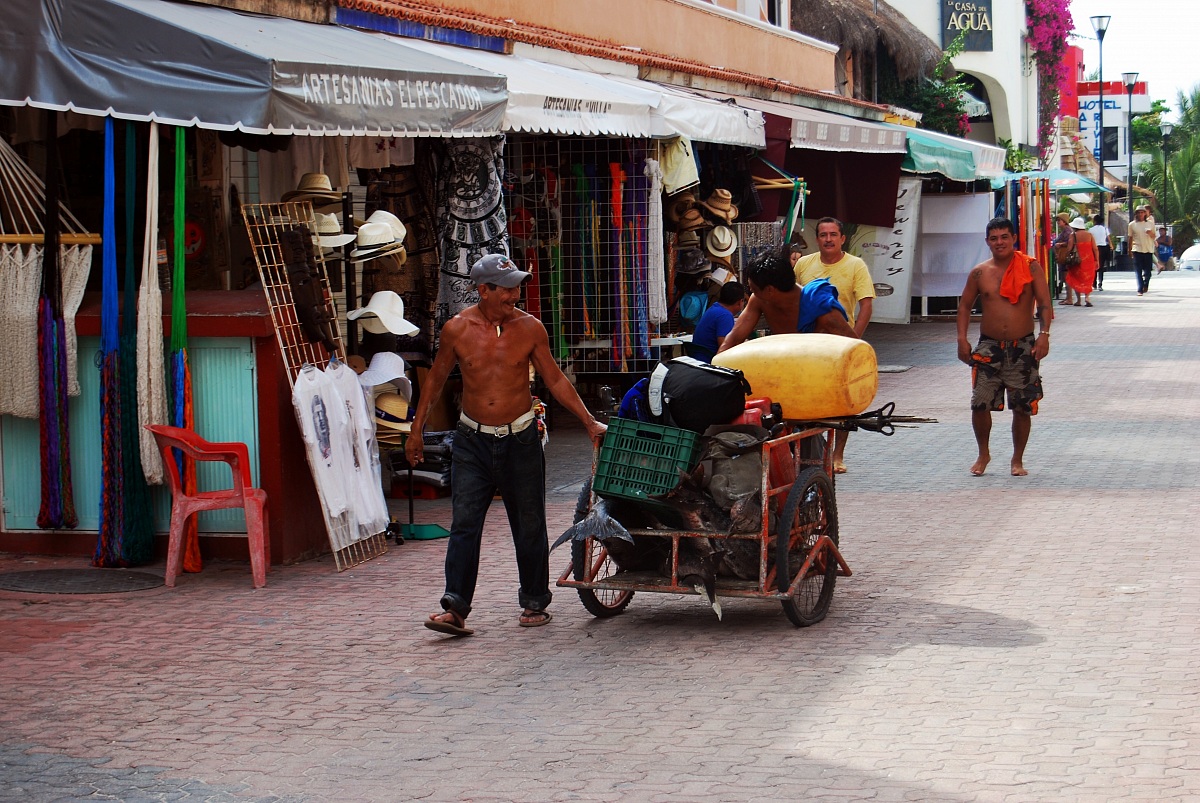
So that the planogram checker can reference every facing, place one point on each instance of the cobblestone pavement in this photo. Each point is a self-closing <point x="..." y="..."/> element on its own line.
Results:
<point x="1002" y="639"/>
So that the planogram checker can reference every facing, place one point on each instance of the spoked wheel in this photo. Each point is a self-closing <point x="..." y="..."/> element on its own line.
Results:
<point x="809" y="513"/>
<point x="602" y="603"/>
<point x="599" y="602"/>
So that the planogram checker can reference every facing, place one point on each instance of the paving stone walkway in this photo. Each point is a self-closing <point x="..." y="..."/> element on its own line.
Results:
<point x="1002" y="639"/>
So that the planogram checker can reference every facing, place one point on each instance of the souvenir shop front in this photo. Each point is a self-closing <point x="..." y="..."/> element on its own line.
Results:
<point x="140" y="145"/>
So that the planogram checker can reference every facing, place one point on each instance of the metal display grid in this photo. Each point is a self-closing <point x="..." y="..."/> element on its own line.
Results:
<point x="578" y="218"/>
<point x="265" y="223"/>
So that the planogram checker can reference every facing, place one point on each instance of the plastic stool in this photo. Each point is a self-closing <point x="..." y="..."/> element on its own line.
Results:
<point x="252" y="500"/>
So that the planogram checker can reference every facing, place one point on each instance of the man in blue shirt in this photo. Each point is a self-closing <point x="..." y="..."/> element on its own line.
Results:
<point x="717" y="322"/>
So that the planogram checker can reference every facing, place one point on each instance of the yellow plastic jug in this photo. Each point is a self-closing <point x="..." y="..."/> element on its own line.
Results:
<point x="809" y="375"/>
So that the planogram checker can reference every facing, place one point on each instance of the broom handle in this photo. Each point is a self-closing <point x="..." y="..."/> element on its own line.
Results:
<point x="39" y="239"/>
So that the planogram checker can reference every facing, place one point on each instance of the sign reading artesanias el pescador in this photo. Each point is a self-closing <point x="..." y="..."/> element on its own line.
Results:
<point x="972" y="16"/>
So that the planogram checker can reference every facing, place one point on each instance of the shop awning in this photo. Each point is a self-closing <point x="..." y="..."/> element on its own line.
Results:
<point x="702" y="119"/>
<point x="824" y="131"/>
<point x="551" y="99"/>
<point x="953" y="157"/>
<point x="1060" y="181"/>
<point x="214" y="68"/>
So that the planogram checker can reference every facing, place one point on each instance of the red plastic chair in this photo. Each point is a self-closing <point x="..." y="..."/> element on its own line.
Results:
<point x="252" y="500"/>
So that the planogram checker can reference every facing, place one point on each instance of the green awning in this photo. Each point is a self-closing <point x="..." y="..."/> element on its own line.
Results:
<point x="929" y="155"/>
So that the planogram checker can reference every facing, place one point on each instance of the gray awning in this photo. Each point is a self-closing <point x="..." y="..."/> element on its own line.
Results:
<point x="220" y="69"/>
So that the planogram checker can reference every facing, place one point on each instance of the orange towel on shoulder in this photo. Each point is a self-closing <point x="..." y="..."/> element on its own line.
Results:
<point x="1016" y="277"/>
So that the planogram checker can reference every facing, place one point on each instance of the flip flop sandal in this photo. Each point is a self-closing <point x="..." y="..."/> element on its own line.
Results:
<point x="1076" y="304"/>
<point x="543" y="617"/>
<point x="1087" y="304"/>
<point x="456" y="627"/>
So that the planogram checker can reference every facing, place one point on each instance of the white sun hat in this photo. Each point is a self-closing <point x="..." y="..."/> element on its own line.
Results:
<point x="387" y="367"/>
<point x="384" y="313"/>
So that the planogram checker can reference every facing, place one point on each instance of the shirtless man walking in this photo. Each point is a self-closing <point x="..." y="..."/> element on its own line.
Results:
<point x="496" y="444"/>
<point x="1008" y="286"/>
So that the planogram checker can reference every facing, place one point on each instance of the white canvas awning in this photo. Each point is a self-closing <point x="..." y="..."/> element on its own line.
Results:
<point x="825" y="131"/>
<point x="186" y="64"/>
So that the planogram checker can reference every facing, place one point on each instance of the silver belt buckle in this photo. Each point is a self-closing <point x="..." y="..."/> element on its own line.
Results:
<point x="498" y="432"/>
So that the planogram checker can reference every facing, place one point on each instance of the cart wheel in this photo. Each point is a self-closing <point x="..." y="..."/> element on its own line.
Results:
<point x="809" y="513"/>
<point x="603" y="603"/>
<point x="600" y="603"/>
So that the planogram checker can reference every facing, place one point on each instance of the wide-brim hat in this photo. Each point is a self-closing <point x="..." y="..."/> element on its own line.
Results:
<point x="313" y="187"/>
<point x="375" y="240"/>
<point x="678" y="204"/>
<point x="724" y="261"/>
<point x="720" y="204"/>
<point x="384" y="313"/>
<point x="393" y="412"/>
<point x="392" y="222"/>
<point x="721" y="241"/>
<point x="1078" y="223"/>
<point x="692" y="261"/>
<point x="387" y="367"/>
<point x="687" y="240"/>
<point x="328" y="231"/>
<point x="691" y="219"/>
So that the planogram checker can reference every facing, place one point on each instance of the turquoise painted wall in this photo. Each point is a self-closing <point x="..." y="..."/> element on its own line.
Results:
<point x="225" y="399"/>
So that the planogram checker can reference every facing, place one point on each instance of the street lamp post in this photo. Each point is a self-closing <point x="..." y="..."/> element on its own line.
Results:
<point x="1166" y="129"/>
<point x="1129" y="79"/>
<point x="1100" y="25"/>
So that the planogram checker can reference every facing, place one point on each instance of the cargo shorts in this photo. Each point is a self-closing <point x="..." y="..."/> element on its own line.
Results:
<point x="1000" y="366"/>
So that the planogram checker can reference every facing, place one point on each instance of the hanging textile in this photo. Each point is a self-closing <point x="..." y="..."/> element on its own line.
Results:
<point x="656" y="279"/>
<point x="57" y="509"/>
<point x="151" y="370"/>
<point x="636" y="204"/>
<point x="181" y="377"/>
<point x="108" y="552"/>
<point x="137" y="525"/>
<point x="21" y="267"/>
<point x="470" y="217"/>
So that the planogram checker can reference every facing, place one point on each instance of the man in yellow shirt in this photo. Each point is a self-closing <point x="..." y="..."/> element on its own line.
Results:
<point x="856" y="292"/>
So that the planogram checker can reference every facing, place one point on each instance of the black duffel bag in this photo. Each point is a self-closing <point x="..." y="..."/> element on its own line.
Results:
<point x="696" y="395"/>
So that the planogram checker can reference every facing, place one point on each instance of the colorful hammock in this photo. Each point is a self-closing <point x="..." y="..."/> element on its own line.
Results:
<point x="179" y="388"/>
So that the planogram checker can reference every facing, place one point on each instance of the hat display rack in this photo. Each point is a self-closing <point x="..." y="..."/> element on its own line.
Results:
<point x="306" y="329"/>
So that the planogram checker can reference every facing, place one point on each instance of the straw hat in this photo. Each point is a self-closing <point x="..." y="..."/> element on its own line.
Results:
<point x="687" y="240"/>
<point x="393" y="222"/>
<point x="384" y="313"/>
<point x="691" y="219"/>
<point x="720" y="204"/>
<point x="314" y="187"/>
<point x="392" y="411"/>
<point x="376" y="240"/>
<point x="692" y="261"/>
<point x="721" y="241"/>
<point x="328" y="231"/>
<point x="679" y="204"/>
<point x="387" y="367"/>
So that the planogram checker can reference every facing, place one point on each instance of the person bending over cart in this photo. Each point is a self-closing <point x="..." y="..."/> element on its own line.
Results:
<point x="788" y="307"/>
<point x="496" y="443"/>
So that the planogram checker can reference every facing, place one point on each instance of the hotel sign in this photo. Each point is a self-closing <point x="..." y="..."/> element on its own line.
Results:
<point x="974" y="17"/>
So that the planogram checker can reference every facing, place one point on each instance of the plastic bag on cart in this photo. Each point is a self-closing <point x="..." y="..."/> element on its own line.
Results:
<point x="732" y="460"/>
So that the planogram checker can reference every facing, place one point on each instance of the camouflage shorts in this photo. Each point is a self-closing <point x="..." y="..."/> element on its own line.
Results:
<point x="1005" y="365"/>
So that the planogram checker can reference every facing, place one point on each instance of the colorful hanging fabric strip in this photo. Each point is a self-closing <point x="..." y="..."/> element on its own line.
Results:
<point x="57" y="509"/>
<point x="636" y="207"/>
<point x="109" y="547"/>
<point x="620" y="333"/>
<point x="180" y="386"/>
<point x="138" y="539"/>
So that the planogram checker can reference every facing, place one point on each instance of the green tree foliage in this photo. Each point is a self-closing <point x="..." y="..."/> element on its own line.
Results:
<point x="939" y="99"/>
<point x="1146" y="136"/>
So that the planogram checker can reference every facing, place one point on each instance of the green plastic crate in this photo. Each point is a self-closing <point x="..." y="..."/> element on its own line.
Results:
<point x="639" y="460"/>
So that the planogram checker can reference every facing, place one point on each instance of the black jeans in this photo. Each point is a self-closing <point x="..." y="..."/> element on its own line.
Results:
<point x="515" y="466"/>
<point x="1105" y="261"/>
<point x="1143" y="264"/>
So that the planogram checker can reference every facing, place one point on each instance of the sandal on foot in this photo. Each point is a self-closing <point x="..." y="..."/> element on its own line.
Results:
<point x="535" y="618"/>
<point x="1076" y="304"/>
<point x="839" y="467"/>
<point x="1087" y="303"/>
<point x="456" y="626"/>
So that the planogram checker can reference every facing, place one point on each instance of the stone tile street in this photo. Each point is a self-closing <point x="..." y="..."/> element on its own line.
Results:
<point x="1002" y="638"/>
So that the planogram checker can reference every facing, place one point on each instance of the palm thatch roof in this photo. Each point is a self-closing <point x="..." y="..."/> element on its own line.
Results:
<point x="853" y="25"/>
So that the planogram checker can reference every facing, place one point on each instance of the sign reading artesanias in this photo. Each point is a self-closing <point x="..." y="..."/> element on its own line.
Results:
<point x="972" y="16"/>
